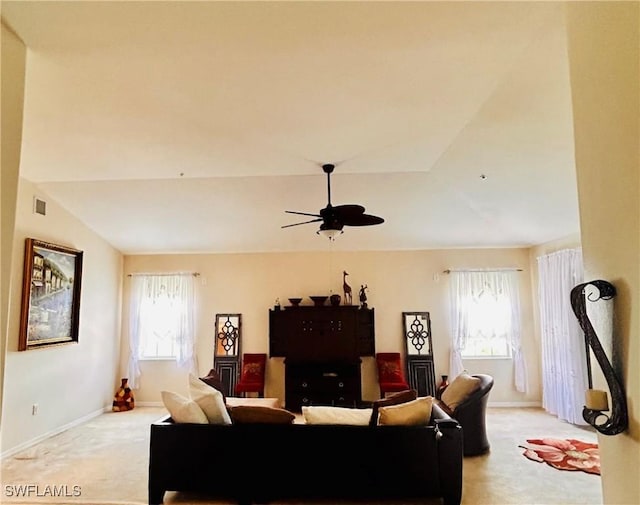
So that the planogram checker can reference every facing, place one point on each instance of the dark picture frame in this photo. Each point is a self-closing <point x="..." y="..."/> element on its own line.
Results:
<point x="51" y="289"/>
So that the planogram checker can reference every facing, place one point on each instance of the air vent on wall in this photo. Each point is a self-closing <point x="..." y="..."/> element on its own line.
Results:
<point x="39" y="206"/>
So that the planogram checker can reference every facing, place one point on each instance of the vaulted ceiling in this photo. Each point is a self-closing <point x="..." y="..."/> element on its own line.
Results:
<point x="192" y="126"/>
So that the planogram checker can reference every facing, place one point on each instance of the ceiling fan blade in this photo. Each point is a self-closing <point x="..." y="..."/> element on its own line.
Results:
<point x="362" y="220"/>
<point x="304" y="222"/>
<point x="302" y="213"/>
<point x="346" y="211"/>
<point x="353" y="215"/>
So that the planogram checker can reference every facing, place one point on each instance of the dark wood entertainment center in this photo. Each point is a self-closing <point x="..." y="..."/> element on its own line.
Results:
<point x="322" y="347"/>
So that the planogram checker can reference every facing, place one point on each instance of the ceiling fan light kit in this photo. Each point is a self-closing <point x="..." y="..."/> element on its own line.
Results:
<point x="334" y="219"/>
<point x="330" y="233"/>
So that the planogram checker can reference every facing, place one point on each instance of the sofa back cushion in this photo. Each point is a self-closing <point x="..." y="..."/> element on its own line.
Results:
<point x="248" y="414"/>
<point x="210" y="401"/>
<point x="213" y="379"/>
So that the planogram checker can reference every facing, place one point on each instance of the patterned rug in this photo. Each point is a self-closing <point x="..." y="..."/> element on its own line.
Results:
<point x="568" y="454"/>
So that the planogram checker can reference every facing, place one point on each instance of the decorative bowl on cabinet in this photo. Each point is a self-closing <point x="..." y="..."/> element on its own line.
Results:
<point x="318" y="301"/>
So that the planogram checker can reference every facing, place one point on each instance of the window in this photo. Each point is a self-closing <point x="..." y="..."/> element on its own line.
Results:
<point x="162" y="320"/>
<point x="488" y="313"/>
<point x="485" y="319"/>
<point x="160" y="314"/>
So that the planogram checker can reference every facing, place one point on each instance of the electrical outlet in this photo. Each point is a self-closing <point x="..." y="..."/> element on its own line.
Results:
<point x="34" y="409"/>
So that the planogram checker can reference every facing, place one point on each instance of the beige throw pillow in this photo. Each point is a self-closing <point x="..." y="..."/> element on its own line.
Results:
<point x="459" y="390"/>
<point x="210" y="400"/>
<point x="336" y="415"/>
<point x="183" y="410"/>
<point x="413" y="413"/>
<point x="393" y="399"/>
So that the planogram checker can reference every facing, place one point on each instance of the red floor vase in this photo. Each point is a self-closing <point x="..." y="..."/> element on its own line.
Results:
<point x="123" y="399"/>
<point x="443" y="385"/>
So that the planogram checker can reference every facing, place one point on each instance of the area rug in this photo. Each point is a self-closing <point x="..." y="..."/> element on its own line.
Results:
<point x="564" y="454"/>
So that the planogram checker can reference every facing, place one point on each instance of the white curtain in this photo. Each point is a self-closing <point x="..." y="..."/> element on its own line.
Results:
<point x="509" y="284"/>
<point x="501" y="286"/>
<point x="179" y="290"/>
<point x="564" y="370"/>
<point x="133" y="368"/>
<point x="461" y="285"/>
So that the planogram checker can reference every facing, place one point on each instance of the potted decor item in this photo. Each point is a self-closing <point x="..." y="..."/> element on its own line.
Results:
<point x="443" y="385"/>
<point x="335" y="300"/>
<point x="123" y="399"/>
<point x="363" y="295"/>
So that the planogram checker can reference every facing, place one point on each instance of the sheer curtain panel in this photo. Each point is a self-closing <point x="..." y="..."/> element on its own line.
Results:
<point x="162" y="321"/>
<point x="564" y="369"/>
<point x="485" y="308"/>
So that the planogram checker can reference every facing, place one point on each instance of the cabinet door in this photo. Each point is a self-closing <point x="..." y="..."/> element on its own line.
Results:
<point x="322" y="333"/>
<point x="336" y="337"/>
<point x="277" y="334"/>
<point x="366" y="332"/>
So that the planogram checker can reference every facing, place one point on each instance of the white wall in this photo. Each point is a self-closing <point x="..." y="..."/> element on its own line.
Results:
<point x="604" y="53"/>
<point x="70" y="381"/>
<point x="11" y="100"/>
<point x="397" y="281"/>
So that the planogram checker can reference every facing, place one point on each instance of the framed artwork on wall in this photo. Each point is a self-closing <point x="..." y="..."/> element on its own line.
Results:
<point x="50" y="295"/>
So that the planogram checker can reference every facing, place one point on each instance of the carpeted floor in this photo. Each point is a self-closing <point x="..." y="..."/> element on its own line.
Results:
<point x="107" y="460"/>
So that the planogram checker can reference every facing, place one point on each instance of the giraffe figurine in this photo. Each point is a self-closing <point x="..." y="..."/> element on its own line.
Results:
<point x="346" y="288"/>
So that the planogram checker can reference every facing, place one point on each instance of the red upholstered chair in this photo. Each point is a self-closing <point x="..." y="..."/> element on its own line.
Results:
<point x="252" y="375"/>
<point x="391" y="376"/>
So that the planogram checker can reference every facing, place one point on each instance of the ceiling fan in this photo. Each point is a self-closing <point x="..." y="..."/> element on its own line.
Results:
<point x="335" y="218"/>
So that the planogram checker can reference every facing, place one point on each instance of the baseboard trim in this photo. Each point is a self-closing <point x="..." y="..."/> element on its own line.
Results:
<point x="149" y="404"/>
<point x="60" y="429"/>
<point x="514" y="404"/>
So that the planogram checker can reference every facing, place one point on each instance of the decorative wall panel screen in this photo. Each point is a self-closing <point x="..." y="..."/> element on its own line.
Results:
<point x="419" y="349"/>
<point x="226" y="351"/>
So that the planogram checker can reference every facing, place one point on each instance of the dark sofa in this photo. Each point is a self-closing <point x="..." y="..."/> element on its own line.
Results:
<point x="256" y="463"/>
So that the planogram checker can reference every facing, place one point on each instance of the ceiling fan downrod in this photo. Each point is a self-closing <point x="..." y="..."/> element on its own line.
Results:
<point x="328" y="169"/>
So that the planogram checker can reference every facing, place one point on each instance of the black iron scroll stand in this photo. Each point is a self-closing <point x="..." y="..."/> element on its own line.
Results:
<point x="617" y="422"/>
